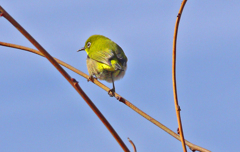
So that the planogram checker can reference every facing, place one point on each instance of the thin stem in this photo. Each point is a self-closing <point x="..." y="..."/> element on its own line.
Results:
<point x="134" y="147"/>
<point x="126" y="102"/>
<point x="177" y="107"/>
<point x="65" y="74"/>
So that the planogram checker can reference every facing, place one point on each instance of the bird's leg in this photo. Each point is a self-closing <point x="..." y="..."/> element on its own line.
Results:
<point x="111" y="92"/>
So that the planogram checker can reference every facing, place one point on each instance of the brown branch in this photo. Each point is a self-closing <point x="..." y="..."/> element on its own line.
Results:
<point x="134" y="147"/>
<point x="177" y="107"/>
<point x="129" y="104"/>
<point x="72" y="81"/>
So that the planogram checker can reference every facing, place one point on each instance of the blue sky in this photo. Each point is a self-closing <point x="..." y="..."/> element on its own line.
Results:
<point x="40" y="111"/>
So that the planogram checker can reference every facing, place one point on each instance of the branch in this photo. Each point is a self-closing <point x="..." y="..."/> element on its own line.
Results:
<point x="134" y="147"/>
<point x="72" y="81"/>
<point x="177" y="107"/>
<point x="126" y="102"/>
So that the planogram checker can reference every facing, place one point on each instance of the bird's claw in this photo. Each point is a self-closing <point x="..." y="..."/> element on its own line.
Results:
<point x="91" y="78"/>
<point x="111" y="92"/>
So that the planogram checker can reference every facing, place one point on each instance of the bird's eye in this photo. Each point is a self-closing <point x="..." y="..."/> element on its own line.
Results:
<point x="88" y="44"/>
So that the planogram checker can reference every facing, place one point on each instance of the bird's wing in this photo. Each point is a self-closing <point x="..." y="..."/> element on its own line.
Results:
<point x="121" y="56"/>
<point x="103" y="56"/>
<point x="119" y="53"/>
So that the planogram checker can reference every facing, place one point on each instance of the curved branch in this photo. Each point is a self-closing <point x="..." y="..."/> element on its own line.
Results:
<point x="129" y="104"/>
<point x="134" y="147"/>
<point x="177" y="107"/>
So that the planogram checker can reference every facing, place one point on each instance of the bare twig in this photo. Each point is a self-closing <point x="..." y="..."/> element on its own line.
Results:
<point x="72" y="81"/>
<point x="134" y="147"/>
<point x="129" y="104"/>
<point x="177" y="107"/>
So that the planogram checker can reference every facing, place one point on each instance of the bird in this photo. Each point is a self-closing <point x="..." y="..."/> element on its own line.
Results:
<point x="106" y="60"/>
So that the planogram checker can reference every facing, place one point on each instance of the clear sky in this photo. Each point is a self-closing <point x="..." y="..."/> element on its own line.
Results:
<point x="40" y="111"/>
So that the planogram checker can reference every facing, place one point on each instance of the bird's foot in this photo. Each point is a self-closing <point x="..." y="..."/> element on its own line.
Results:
<point x="91" y="78"/>
<point x="111" y="92"/>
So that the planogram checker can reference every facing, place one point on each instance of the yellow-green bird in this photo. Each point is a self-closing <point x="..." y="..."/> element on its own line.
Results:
<point x="105" y="59"/>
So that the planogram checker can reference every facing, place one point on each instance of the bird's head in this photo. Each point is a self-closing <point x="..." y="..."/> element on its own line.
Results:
<point x="94" y="42"/>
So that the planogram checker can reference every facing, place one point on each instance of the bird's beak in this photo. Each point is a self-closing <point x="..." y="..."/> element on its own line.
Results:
<point x="81" y="49"/>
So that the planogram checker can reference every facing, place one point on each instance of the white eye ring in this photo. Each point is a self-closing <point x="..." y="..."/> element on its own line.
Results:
<point x="88" y="44"/>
